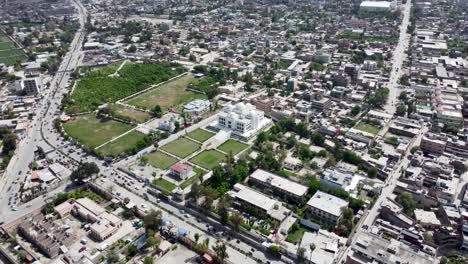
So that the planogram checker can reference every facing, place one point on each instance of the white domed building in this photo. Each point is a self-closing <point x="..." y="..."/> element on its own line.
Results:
<point x="241" y="120"/>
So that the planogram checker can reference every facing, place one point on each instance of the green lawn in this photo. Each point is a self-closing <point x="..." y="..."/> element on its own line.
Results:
<point x="94" y="89"/>
<point x="232" y="145"/>
<point x="168" y="95"/>
<point x="92" y="132"/>
<point x="368" y="128"/>
<point x="9" y="53"/>
<point x="192" y="179"/>
<point x="181" y="147"/>
<point x="200" y="135"/>
<point x="160" y="160"/>
<point x="165" y="184"/>
<point x="208" y="159"/>
<point x="126" y="144"/>
<point x="130" y="114"/>
<point x="296" y="236"/>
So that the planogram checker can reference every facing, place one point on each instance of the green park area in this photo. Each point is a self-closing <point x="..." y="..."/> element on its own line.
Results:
<point x="181" y="147"/>
<point x="165" y="184"/>
<point x="232" y="146"/>
<point x="369" y="128"/>
<point x="200" y="135"/>
<point x="128" y="143"/>
<point x="167" y="95"/>
<point x="92" y="132"/>
<point x="97" y="88"/>
<point x="160" y="160"/>
<point x="130" y="114"/>
<point x="208" y="159"/>
<point x="9" y="52"/>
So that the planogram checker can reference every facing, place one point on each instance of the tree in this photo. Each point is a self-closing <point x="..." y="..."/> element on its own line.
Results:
<point x="112" y="256"/>
<point x="152" y="220"/>
<point x="372" y="172"/>
<point x="274" y="250"/>
<point x="84" y="171"/>
<point x="312" y="248"/>
<point x="407" y="202"/>
<point x="144" y="159"/>
<point x="126" y="200"/>
<point x="132" y="49"/>
<point x="157" y="111"/>
<point x="401" y="110"/>
<point x="355" y="110"/>
<point x="132" y="250"/>
<point x="152" y="242"/>
<point x="148" y="260"/>
<point x="221" y="253"/>
<point x="9" y="143"/>
<point x="237" y="220"/>
<point x="195" y="191"/>
<point x="197" y="237"/>
<point x="301" y="255"/>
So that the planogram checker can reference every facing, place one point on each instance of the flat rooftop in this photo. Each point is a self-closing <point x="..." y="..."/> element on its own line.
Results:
<point x="279" y="182"/>
<point x="327" y="203"/>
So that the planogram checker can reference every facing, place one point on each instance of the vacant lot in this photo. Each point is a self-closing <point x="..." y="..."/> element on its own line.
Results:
<point x="92" y="132"/>
<point x="368" y="128"/>
<point x="232" y="145"/>
<point x="181" y="147"/>
<point x="9" y="53"/>
<point x="160" y="160"/>
<point x="125" y="144"/>
<point x="130" y="114"/>
<point x="168" y="95"/>
<point x="200" y="135"/>
<point x="94" y="89"/>
<point x="208" y="159"/>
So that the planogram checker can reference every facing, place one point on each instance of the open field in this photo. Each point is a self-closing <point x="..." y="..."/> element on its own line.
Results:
<point x="9" y="53"/>
<point x="125" y="144"/>
<point x="92" y="132"/>
<point x="232" y="145"/>
<point x="208" y="159"/>
<point x="92" y="91"/>
<point x="130" y="114"/>
<point x="165" y="184"/>
<point x="181" y="147"/>
<point x="200" y="135"/>
<point x="168" y="95"/>
<point x="160" y="160"/>
<point x="368" y="128"/>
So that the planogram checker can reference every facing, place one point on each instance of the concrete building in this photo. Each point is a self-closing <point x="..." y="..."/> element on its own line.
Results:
<point x="197" y="107"/>
<point x="103" y="225"/>
<point x="433" y="143"/>
<point x="262" y="205"/>
<point x="28" y="86"/>
<point x="242" y="120"/>
<point x="377" y="6"/>
<point x="326" y="247"/>
<point x="326" y="208"/>
<point x="371" y="248"/>
<point x="182" y="171"/>
<point x="340" y="178"/>
<point x="278" y="186"/>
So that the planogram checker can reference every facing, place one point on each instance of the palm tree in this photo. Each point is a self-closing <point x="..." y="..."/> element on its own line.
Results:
<point x="312" y="248"/>
<point x="221" y="253"/>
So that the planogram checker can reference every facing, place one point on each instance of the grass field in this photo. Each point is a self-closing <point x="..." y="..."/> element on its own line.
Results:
<point x="296" y="236"/>
<point x="181" y="147"/>
<point x="165" y="184"/>
<point x="192" y="179"/>
<point x="368" y="128"/>
<point x="232" y="145"/>
<point x="168" y="95"/>
<point x="92" y="132"/>
<point x="131" y="114"/>
<point x="122" y="145"/>
<point x="9" y="53"/>
<point x="200" y="135"/>
<point x="208" y="159"/>
<point x="94" y="89"/>
<point x="160" y="160"/>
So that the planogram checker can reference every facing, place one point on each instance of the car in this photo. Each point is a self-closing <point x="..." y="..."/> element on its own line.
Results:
<point x="187" y="215"/>
<point x="82" y="249"/>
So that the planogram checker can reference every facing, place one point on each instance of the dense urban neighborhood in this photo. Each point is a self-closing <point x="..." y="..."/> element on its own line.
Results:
<point x="234" y="132"/>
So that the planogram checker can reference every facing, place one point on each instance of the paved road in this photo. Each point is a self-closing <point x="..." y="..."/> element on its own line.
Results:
<point x="399" y="56"/>
<point x="40" y="130"/>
